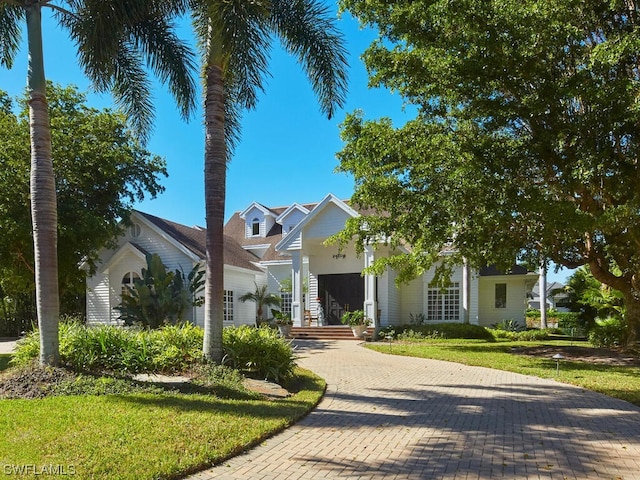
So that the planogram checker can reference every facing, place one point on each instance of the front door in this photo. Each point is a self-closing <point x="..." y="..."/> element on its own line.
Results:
<point x="339" y="293"/>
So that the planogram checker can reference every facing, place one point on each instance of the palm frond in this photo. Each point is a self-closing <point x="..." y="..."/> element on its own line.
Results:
<point x="170" y="58"/>
<point x="308" y="31"/>
<point x="116" y="39"/>
<point x="10" y="33"/>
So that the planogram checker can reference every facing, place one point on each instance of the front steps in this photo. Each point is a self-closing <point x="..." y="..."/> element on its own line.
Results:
<point x="329" y="332"/>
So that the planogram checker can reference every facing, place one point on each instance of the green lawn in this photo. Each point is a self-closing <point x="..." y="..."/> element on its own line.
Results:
<point x="616" y="381"/>
<point x="143" y="436"/>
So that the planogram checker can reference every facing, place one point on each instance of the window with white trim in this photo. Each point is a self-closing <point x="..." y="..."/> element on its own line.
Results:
<point x="228" y="306"/>
<point x="128" y="281"/>
<point x="255" y="227"/>
<point x="501" y="295"/>
<point x="285" y="302"/>
<point x="443" y="303"/>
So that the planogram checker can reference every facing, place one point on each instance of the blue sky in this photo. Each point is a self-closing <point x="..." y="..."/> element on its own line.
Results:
<point x="287" y="149"/>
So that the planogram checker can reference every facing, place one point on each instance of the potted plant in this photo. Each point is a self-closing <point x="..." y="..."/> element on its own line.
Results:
<point x="283" y="321"/>
<point x="357" y="321"/>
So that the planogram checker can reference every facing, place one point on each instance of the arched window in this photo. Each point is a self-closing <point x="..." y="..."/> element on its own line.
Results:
<point x="255" y="227"/>
<point x="128" y="281"/>
<point x="134" y="230"/>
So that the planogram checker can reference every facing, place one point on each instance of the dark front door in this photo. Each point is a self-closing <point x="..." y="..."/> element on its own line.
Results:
<point x="339" y="293"/>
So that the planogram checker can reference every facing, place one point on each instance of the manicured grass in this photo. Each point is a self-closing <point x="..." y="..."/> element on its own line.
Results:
<point x="616" y="381"/>
<point x="144" y="436"/>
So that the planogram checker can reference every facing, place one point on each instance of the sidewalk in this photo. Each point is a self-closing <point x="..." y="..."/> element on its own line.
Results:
<point x="394" y="417"/>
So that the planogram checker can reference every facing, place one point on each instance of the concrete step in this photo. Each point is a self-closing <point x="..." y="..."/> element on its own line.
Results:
<point x="329" y="332"/>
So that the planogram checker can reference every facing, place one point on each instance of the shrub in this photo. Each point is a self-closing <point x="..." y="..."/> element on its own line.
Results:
<point x="122" y="350"/>
<point x="440" y="330"/>
<point x="417" y="318"/>
<point x="508" y="326"/>
<point x="258" y="350"/>
<point x="608" y="333"/>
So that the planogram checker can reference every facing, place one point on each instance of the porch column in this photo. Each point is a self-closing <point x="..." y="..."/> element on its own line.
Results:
<point x="296" y="287"/>
<point x="370" y="310"/>
<point x="466" y="291"/>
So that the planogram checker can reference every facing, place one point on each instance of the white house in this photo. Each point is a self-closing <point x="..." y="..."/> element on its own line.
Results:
<point x="284" y="248"/>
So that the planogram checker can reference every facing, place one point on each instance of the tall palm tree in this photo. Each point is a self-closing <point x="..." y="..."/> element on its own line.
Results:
<point x="116" y="39"/>
<point x="235" y="37"/>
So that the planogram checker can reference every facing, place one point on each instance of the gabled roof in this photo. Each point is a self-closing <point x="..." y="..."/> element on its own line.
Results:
<point x="295" y="206"/>
<point x="194" y="240"/>
<point x="329" y="199"/>
<point x="266" y="211"/>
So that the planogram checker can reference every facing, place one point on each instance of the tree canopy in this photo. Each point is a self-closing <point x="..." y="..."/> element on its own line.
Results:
<point x="101" y="171"/>
<point x="525" y="145"/>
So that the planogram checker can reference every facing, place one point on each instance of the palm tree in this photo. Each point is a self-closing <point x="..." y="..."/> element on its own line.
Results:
<point x="235" y="37"/>
<point x="262" y="299"/>
<point x="115" y="40"/>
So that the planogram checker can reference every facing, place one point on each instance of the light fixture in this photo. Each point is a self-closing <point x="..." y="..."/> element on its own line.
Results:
<point x="557" y="357"/>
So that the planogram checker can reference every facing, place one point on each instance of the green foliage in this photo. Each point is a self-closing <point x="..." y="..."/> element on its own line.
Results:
<point x="508" y="326"/>
<point x="122" y="350"/>
<point x="260" y="351"/>
<point x="101" y="171"/>
<point x="439" y="330"/>
<point x="355" y="317"/>
<point x="417" y="318"/>
<point x="161" y="297"/>
<point x="281" y="318"/>
<point x="524" y="144"/>
<point x="533" y="335"/>
<point x="609" y="332"/>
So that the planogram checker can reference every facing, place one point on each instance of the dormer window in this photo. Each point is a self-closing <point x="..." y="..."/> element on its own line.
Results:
<point x="255" y="227"/>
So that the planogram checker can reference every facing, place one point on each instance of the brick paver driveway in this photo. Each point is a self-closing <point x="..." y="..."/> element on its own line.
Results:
<point x="389" y="417"/>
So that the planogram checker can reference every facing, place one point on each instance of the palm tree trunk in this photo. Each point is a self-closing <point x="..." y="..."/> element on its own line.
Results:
<point x="215" y="171"/>
<point x="43" y="196"/>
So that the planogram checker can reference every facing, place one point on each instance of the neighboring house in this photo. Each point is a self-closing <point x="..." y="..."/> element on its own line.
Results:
<point x="285" y="248"/>
<point x="557" y="298"/>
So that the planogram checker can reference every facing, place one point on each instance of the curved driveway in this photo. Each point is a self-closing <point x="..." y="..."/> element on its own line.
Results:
<point x="386" y="416"/>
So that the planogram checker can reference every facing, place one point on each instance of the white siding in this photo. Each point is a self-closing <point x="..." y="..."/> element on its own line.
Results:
<point x="128" y="263"/>
<point x="516" y="299"/>
<point x="98" y="299"/>
<point x="411" y="300"/>
<point x="291" y="220"/>
<point x="239" y="282"/>
<point x="389" y="299"/>
<point x="331" y="220"/>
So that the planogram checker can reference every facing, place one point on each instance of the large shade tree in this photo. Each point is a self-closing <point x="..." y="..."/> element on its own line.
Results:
<point x="101" y="170"/>
<point x="525" y="144"/>
<point x="235" y="37"/>
<point x="116" y="40"/>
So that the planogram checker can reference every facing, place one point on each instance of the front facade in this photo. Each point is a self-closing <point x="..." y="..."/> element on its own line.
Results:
<point x="285" y="249"/>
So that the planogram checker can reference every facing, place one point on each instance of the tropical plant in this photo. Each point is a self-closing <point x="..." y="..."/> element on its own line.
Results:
<point x="281" y="318"/>
<point x="259" y="351"/>
<point x="355" y="317"/>
<point x="235" y="37"/>
<point x="262" y="299"/>
<point x="160" y="296"/>
<point x="116" y="39"/>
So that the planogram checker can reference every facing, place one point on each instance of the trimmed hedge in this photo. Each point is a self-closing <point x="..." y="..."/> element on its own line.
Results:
<point x="441" y="330"/>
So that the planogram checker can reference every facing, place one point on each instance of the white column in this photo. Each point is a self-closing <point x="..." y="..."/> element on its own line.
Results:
<point x="466" y="291"/>
<point x="296" y="288"/>
<point x="370" y="310"/>
<point x="542" y="287"/>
